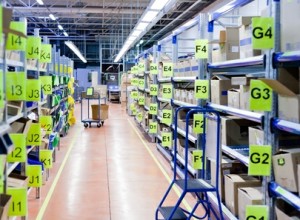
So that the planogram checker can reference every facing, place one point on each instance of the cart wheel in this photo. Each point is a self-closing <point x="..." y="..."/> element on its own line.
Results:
<point x="90" y="125"/>
<point x="86" y="125"/>
<point x="98" y="125"/>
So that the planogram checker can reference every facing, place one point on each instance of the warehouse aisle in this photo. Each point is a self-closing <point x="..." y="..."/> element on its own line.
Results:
<point x="108" y="173"/>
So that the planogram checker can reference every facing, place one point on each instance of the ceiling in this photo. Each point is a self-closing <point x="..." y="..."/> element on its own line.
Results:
<point x="91" y="22"/>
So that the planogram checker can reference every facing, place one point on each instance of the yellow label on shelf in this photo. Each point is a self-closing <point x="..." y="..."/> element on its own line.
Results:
<point x="46" y="158"/>
<point x="201" y="49"/>
<point x="61" y="68"/>
<point x="1" y="23"/>
<point x="153" y="69"/>
<point x="56" y="68"/>
<point x="34" y="173"/>
<point x="134" y="111"/>
<point x="153" y="127"/>
<point x="135" y="69"/>
<point x="166" y="139"/>
<point x="34" y="135"/>
<point x="139" y="116"/>
<point x="197" y="159"/>
<point x="198" y="123"/>
<point x="65" y="69"/>
<point x="141" y="67"/>
<point x="15" y="42"/>
<point x="19" y="153"/>
<point x="263" y="34"/>
<point x="132" y="106"/>
<point x="1" y="90"/>
<point x="16" y="86"/>
<point x="134" y="94"/>
<point x="46" y="123"/>
<point x="167" y="91"/>
<point x="142" y="83"/>
<point x="135" y="81"/>
<point x="33" y="47"/>
<point x="259" y="212"/>
<point x="201" y="89"/>
<point x="261" y="96"/>
<point x="33" y="90"/>
<point x="260" y="160"/>
<point x="70" y="70"/>
<point x="46" y="53"/>
<point x="153" y="90"/>
<point x="168" y="69"/>
<point x="18" y="204"/>
<point x="153" y="109"/>
<point x="46" y="83"/>
<point x="141" y="100"/>
<point x="167" y="116"/>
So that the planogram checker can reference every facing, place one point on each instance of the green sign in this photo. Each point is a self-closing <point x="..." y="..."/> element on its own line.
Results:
<point x="46" y="158"/>
<point x="153" y="127"/>
<point x="153" y="90"/>
<point x="142" y="83"/>
<point x="153" y="69"/>
<point x="141" y="100"/>
<point x="34" y="173"/>
<point x="46" y="83"/>
<point x="261" y="96"/>
<point x="139" y="116"/>
<point x="132" y="106"/>
<point x="167" y="116"/>
<point x="135" y="69"/>
<point x="166" y="139"/>
<point x="33" y="90"/>
<point x="46" y="123"/>
<point x="15" y="42"/>
<point x="46" y="53"/>
<point x="201" y="89"/>
<point x="18" y="204"/>
<point x="134" y="94"/>
<point x="1" y="87"/>
<point x="197" y="159"/>
<point x="33" y="47"/>
<point x="201" y="49"/>
<point x="198" y="123"/>
<point x="16" y="86"/>
<point x="134" y="111"/>
<point x="259" y="212"/>
<point x="135" y="81"/>
<point x="263" y="34"/>
<point x="19" y="153"/>
<point x="167" y="91"/>
<point x="34" y="135"/>
<point x="153" y="109"/>
<point x="260" y="160"/>
<point x="141" y="67"/>
<point x="168" y="69"/>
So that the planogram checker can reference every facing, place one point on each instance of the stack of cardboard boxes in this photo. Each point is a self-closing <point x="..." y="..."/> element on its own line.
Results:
<point x="186" y="68"/>
<point x="185" y="95"/>
<point x="125" y="88"/>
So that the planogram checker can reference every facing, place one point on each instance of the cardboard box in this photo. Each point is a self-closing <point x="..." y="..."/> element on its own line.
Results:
<point x="5" y="201"/>
<point x="232" y="183"/>
<point x="22" y="125"/>
<point x="234" y="98"/>
<point x="256" y="136"/>
<point x="244" y="97"/>
<point x="241" y="80"/>
<point x="285" y="168"/>
<point x="104" y="111"/>
<point x="285" y="211"/>
<point x="227" y="166"/>
<point x="219" y="89"/>
<point x="211" y="139"/>
<point x="17" y="180"/>
<point x="245" y="43"/>
<point x="235" y="130"/>
<point x="14" y="107"/>
<point x="248" y="196"/>
<point x="245" y="20"/>
<point x="298" y="174"/>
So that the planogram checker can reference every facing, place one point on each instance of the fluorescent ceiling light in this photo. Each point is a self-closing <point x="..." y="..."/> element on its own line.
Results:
<point x="73" y="47"/>
<point x="52" y="17"/>
<point x="60" y="27"/>
<point x="141" y="41"/>
<point x="40" y="2"/>
<point x="159" y="4"/>
<point x="149" y="16"/>
<point x="66" y="34"/>
<point x="137" y="45"/>
<point x="136" y="32"/>
<point x="142" y="26"/>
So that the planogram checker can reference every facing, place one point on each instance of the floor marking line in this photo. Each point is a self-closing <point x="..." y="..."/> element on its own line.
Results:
<point x="50" y="192"/>
<point x="175" y="188"/>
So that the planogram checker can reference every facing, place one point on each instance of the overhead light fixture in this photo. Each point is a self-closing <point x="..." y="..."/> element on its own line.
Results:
<point x="40" y="2"/>
<point x="137" y="45"/>
<point x="60" y="27"/>
<point x="141" y="41"/>
<point x="66" y="34"/>
<point x="52" y="17"/>
<point x="149" y="16"/>
<point x="73" y="47"/>
<point x="142" y="26"/>
<point x="159" y="4"/>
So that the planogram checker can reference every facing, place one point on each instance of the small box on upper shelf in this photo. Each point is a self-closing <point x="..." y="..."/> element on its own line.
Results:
<point x="234" y="98"/>
<point x="249" y="196"/>
<point x="14" y="107"/>
<point x="219" y="89"/>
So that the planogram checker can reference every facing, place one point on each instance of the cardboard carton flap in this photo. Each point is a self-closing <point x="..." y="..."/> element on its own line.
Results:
<point x="252" y="192"/>
<point x="219" y="78"/>
<point x="278" y="87"/>
<point x="234" y="90"/>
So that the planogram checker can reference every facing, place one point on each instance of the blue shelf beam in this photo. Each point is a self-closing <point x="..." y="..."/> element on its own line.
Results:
<point x="287" y="59"/>
<point x="165" y="40"/>
<point x="184" y="79"/>
<point x="287" y="126"/>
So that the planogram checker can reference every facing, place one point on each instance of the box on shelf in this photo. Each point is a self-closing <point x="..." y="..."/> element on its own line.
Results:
<point x="211" y="139"/>
<point x="235" y="130"/>
<point x="22" y="125"/>
<point x="298" y="174"/>
<point x="219" y="87"/>
<point x="184" y="95"/>
<point x="285" y="168"/>
<point x="228" y="166"/>
<point x="232" y="183"/>
<point x="248" y="196"/>
<point x="244" y="97"/>
<point x="241" y="80"/>
<point x="256" y="135"/>
<point x="245" y="20"/>
<point x="246" y="50"/>
<point x="234" y="98"/>
<point x="14" y="107"/>
<point x="285" y="211"/>
<point x="194" y="67"/>
<point x="17" y="180"/>
<point x="5" y="201"/>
